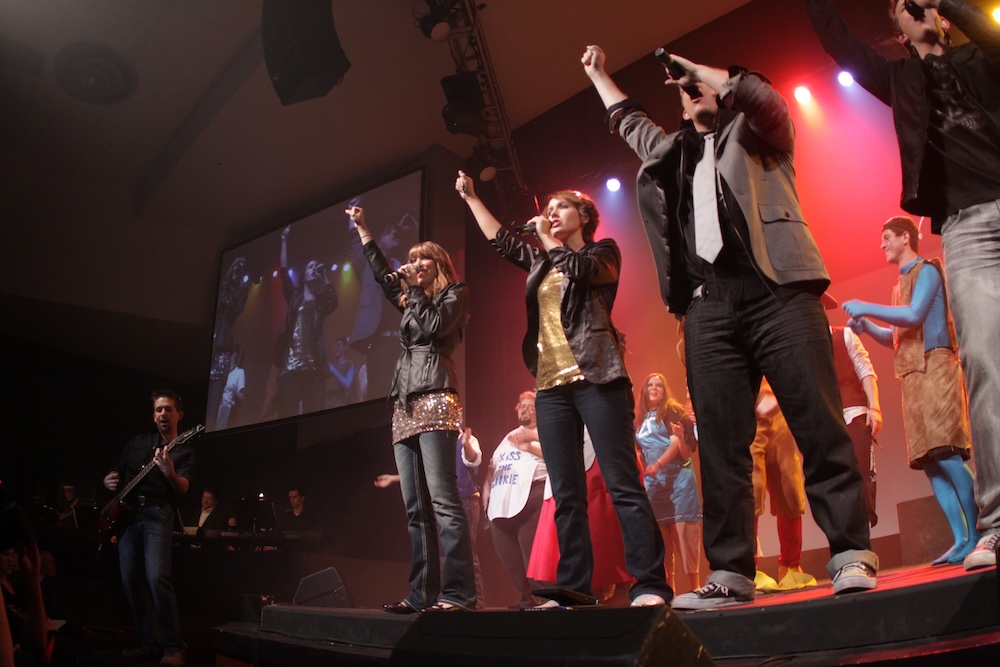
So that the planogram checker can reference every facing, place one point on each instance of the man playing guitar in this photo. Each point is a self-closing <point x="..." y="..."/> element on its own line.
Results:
<point x="144" y="545"/>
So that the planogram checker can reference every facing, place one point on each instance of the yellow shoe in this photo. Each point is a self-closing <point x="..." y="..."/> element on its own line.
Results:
<point x="765" y="583"/>
<point x="795" y="580"/>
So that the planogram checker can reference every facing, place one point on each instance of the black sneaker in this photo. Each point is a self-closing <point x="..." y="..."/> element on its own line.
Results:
<point x="710" y="596"/>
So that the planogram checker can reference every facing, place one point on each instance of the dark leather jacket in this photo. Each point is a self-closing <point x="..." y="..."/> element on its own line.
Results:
<point x="901" y="84"/>
<point x="589" y="287"/>
<point x="430" y="331"/>
<point x="326" y="303"/>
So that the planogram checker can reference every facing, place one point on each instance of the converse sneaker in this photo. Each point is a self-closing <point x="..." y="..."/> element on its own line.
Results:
<point x="648" y="600"/>
<point x="985" y="553"/>
<point x="710" y="596"/>
<point x="852" y="577"/>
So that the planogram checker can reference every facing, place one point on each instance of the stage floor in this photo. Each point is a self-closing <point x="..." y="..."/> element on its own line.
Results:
<point x="917" y="615"/>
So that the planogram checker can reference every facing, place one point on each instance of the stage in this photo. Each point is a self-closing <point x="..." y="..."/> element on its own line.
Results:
<point x="916" y="616"/>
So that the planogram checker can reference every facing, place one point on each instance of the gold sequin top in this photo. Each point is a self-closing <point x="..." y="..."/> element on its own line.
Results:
<point x="433" y="411"/>
<point x="556" y="363"/>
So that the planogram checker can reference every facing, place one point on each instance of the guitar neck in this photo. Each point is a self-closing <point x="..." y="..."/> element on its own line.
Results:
<point x="146" y="469"/>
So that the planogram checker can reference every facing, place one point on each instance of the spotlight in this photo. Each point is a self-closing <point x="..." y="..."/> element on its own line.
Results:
<point x="246" y="279"/>
<point x="463" y="114"/>
<point x="485" y="162"/>
<point x="613" y="185"/>
<point x="803" y="95"/>
<point x="274" y="274"/>
<point x="435" y="25"/>
<point x="996" y="14"/>
<point x="334" y="266"/>
<point x="845" y="79"/>
<point x="436" y="30"/>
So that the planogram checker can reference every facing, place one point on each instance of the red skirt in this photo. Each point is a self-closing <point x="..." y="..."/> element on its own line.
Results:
<point x="605" y="536"/>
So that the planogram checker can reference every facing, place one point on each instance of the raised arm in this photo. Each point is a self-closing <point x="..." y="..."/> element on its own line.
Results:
<point x="870" y="70"/>
<point x="488" y="224"/>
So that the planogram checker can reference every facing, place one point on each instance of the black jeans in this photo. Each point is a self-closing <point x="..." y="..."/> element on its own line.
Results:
<point x="607" y="411"/>
<point x="735" y="333"/>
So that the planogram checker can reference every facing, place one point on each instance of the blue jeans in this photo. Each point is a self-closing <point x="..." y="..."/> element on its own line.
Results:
<point x="607" y="412"/>
<point x="144" y="557"/>
<point x="441" y="552"/>
<point x="972" y="267"/>
<point x="734" y="334"/>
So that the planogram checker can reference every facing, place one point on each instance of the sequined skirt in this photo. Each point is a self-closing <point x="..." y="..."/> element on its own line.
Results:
<point x="433" y="411"/>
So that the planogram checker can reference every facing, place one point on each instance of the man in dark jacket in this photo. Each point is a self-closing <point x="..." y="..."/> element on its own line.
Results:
<point x="946" y="111"/>
<point x="736" y="259"/>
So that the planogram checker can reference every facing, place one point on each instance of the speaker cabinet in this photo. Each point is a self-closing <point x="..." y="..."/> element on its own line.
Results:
<point x="322" y="589"/>
<point x="579" y="637"/>
<point x="301" y="49"/>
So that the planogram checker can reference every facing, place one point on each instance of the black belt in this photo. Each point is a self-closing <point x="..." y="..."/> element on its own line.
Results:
<point x="147" y="501"/>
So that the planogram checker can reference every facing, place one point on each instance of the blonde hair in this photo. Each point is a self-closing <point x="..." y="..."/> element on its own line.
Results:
<point x="446" y="270"/>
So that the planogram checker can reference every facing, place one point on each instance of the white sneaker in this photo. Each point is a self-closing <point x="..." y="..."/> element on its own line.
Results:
<point x="985" y="553"/>
<point x="648" y="600"/>
<point x="854" y="577"/>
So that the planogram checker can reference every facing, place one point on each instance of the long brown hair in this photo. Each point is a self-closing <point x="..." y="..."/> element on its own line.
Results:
<point x="446" y="270"/>
<point x="669" y="407"/>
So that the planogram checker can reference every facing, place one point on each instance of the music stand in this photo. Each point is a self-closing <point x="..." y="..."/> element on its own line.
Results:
<point x="255" y="515"/>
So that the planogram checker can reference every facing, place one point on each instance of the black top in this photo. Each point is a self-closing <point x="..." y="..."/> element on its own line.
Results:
<point x="154" y="486"/>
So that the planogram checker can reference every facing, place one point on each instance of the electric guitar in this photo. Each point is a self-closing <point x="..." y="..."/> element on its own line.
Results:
<point x="112" y="520"/>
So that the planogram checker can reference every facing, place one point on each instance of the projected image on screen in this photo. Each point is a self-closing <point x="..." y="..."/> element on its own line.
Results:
<point x="301" y="325"/>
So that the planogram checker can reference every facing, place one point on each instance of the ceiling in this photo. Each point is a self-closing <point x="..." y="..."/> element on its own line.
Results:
<point x="115" y="214"/>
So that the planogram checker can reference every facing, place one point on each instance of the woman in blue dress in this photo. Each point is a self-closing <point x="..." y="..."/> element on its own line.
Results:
<point x="669" y="473"/>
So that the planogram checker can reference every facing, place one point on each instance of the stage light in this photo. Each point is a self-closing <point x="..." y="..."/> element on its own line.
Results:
<point x="485" y="162"/>
<point x="436" y="26"/>
<point x="334" y="267"/>
<point x="246" y="279"/>
<point x="613" y="185"/>
<point x="803" y="95"/>
<point x="347" y="267"/>
<point x="274" y="274"/>
<point x="996" y="14"/>
<point x="845" y="79"/>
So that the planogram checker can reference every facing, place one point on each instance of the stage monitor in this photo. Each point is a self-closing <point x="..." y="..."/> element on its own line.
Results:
<point x="301" y="325"/>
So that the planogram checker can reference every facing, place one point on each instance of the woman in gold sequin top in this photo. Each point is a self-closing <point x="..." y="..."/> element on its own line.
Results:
<point x="426" y="421"/>
<point x="575" y="353"/>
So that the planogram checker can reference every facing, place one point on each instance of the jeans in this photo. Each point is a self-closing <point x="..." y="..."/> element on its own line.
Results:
<point x="735" y="333"/>
<point x="514" y="537"/>
<point x="607" y="412"/>
<point x="436" y="521"/>
<point x="144" y="557"/>
<point x="473" y="510"/>
<point x="972" y="268"/>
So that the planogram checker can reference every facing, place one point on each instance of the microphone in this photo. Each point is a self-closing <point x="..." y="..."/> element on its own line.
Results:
<point x="914" y="10"/>
<point x="526" y="228"/>
<point x="676" y="71"/>
<point x="394" y="276"/>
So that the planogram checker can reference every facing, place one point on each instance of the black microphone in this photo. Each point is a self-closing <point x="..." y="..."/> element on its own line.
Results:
<point x="526" y="228"/>
<point x="914" y="10"/>
<point x="676" y="71"/>
<point x="395" y="275"/>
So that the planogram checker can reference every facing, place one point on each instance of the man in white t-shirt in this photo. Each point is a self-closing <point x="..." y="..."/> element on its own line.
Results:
<point x="512" y="496"/>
